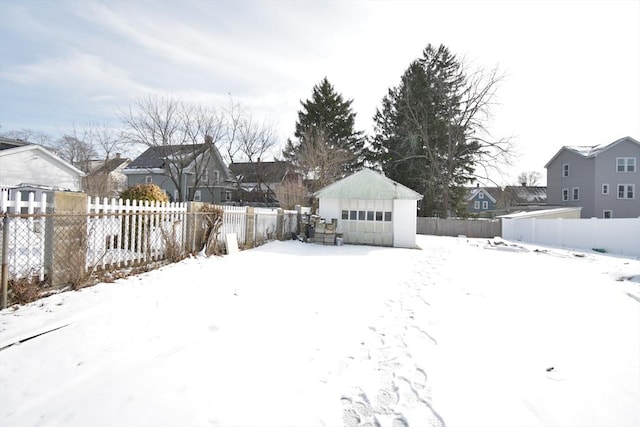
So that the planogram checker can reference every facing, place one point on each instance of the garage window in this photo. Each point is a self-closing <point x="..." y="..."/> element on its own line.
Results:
<point x="353" y="215"/>
<point x="387" y="216"/>
<point x="345" y="214"/>
<point x="361" y="215"/>
<point x="369" y="215"/>
<point x="378" y="216"/>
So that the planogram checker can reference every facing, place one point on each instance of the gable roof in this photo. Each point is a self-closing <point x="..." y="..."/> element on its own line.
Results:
<point x="154" y="157"/>
<point x="474" y="192"/>
<point x="368" y="185"/>
<point x="7" y="143"/>
<point x="23" y="146"/>
<point x="103" y="166"/>
<point x="525" y="195"/>
<point x="260" y="171"/>
<point x="591" y="151"/>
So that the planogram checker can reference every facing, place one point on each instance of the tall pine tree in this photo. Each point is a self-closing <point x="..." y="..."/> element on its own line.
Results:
<point x="424" y="131"/>
<point x="327" y="147"/>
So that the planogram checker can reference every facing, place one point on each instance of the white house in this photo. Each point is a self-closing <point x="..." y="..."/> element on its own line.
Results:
<point x="371" y="209"/>
<point x="25" y="164"/>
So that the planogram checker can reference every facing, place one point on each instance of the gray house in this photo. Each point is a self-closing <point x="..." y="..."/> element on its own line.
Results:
<point x="190" y="172"/>
<point x="602" y="179"/>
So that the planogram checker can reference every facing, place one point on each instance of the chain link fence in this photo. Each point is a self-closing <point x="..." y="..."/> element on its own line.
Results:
<point x="43" y="253"/>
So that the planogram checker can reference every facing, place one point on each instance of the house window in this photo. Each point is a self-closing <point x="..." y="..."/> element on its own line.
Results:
<point x="626" y="191"/>
<point x="197" y="196"/>
<point x="607" y="214"/>
<point x="565" y="194"/>
<point x="485" y="205"/>
<point x="605" y="189"/>
<point x="480" y="195"/>
<point x="216" y="177"/>
<point x="227" y="195"/>
<point x="476" y="205"/>
<point x="576" y="193"/>
<point x="345" y="214"/>
<point x="148" y="179"/>
<point x="205" y="176"/>
<point x="565" y="170"/>
<point x="626" y="164"/>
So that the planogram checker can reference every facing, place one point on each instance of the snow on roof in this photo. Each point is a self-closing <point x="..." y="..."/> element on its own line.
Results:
<point x="368" y="185"/>
<point x="536" y="213"/>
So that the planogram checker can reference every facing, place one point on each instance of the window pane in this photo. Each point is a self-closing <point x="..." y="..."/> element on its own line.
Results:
<point x="378" y="216"/>
<point x="630" y="192"/>
<point x="369" y="215"/>
<point x="387" y="216"/>
<point x="631" y="165"/>
<point x="353" y="215"/>
<point x="345" y="214"/>
<point x="361" y="215"/>
<point x="620" y="191"/>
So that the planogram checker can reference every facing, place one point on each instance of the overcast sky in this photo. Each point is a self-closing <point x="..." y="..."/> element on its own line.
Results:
<point x="572" y="68"/>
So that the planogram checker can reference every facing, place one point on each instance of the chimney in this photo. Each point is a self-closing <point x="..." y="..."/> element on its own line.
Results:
<point x="117" y="155"/>
<point x="477" y="185"/>
<point x="208" y="140"/>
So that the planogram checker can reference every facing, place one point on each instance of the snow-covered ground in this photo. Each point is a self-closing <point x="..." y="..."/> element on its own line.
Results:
<point x="459" y="333"/>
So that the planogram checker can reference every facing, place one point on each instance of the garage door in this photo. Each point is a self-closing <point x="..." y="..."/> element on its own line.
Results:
<point x="367" y="222"/>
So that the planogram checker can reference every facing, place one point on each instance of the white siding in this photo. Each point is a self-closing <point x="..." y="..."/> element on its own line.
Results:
<point x="32" y="167"/>
<point x="404" y="223"/>
<point x="329" y="209"/>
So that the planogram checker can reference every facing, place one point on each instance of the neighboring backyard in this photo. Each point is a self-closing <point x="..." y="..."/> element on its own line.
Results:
<point x="464" y="332"/>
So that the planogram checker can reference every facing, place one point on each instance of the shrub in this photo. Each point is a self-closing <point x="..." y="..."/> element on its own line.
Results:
<point x="23" y="291"/>
<point x="150" y="192"/>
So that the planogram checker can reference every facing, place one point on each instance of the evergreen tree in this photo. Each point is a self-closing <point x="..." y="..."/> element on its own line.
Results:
<point x="424" y="130"/>
<point x="325" y="126"/>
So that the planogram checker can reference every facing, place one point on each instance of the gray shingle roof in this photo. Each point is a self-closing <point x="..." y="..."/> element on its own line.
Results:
<point x="154" y="157"/>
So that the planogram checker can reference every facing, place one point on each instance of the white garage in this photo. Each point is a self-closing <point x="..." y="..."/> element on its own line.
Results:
<point x="371" y="209"/>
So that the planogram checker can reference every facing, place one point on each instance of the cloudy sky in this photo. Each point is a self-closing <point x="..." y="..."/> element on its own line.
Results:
<point x="572" y="69"/>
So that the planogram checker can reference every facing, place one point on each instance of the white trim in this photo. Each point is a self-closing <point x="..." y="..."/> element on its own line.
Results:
<point x="565" y="195"/>
<point x="607" y="191"/>
<point x="476" y="205"/>
<point x="485" y="205"/>
<point x="575" y="194"/>
<point x="44" y="151"/>
<point x="563" y="170"/>
<point x="626" y="191"/>
<point x="626" y="164"/>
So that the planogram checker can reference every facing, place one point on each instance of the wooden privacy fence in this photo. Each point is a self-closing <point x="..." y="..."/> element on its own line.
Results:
<point x="476" y="228"/>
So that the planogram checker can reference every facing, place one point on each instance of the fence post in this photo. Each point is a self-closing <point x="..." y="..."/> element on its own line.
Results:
<point x="280" y="225"/>
<point x="66" y="239"/>
<point x="298" y="209"/>
<point x="4" y="282"/>
<point x="250" y="232"/>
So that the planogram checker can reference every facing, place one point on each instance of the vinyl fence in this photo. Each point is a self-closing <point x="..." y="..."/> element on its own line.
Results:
<point x="55" y="245"/>
<point x="617" y="235"/>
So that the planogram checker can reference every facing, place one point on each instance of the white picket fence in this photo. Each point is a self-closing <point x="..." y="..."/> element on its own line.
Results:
<point x="121" y="233"/>
<point x="27" y="237"/>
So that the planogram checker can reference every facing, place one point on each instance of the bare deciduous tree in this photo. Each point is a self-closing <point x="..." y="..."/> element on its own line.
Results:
<point x="529" y="179"/>
<point x="178" y="132"/>
<point x="319" y="162"/>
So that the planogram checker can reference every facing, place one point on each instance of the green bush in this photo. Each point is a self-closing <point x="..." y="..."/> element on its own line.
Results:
<point x="150" y="192"/>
